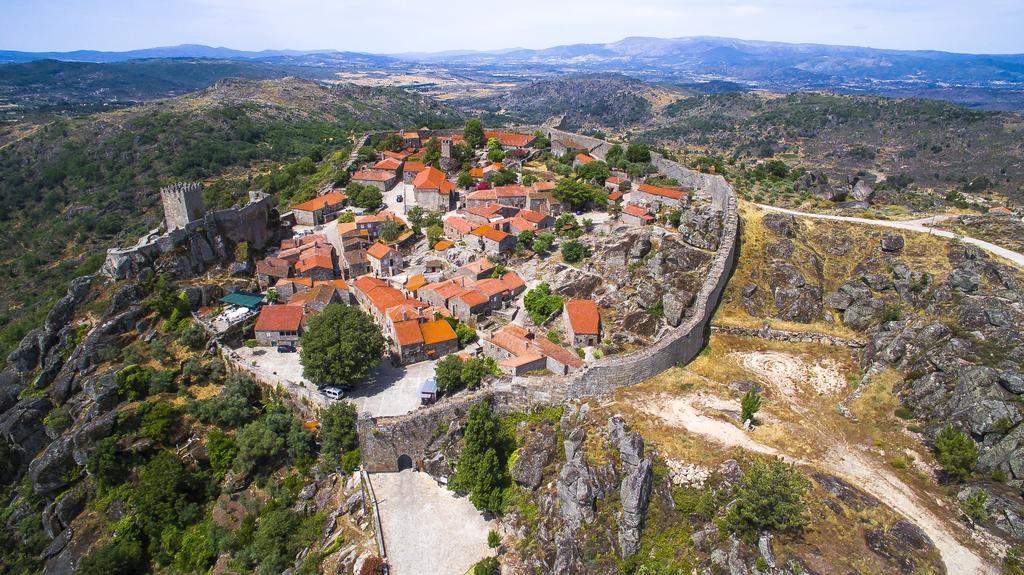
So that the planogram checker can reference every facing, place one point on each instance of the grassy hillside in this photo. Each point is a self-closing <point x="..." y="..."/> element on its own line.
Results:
<point x="73" y="187"/>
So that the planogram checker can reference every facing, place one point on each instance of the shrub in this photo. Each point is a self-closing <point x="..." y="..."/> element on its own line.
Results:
<point x="270" y="441"/>
<point x="192" y="337"/>
<point x="221" y="449"/>
<point x="487" y="566"/>
<point x="156" y="419"/>
<point x="540" y="303"/>
<point x="237" y="403"/>
<point x="373" y="566"/>
<point x="750" y="405"/>
<point x="493" y="539"/>
<point x="482" y="470"/>
<point x="543" y="242"/>
<point x="956" y="453"/>
<point x="58" y="419"/>
<point x="122" y="556"/>
<point x="133" y="382"/>
<point x="892" y="312"/>
<point x="338" y="436"/>
<point x="573" y="251"/>
<point x="975" y="506"/>
<point x="769" y="497"/>
<point x="107" y="463"/>
<point x="160" y="381"/>
<point x="465" y="333"/>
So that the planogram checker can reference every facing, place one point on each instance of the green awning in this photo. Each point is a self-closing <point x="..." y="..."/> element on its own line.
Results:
<point x="243" y="299"/>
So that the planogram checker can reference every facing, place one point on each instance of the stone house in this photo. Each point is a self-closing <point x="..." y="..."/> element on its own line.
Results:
<point x="469" y="305"/>
<point x="355" y="264"/>
<point x="433" y="191"/>
<point x="314" y="300"/>
<point x="518" y="351"/>
<point x="382" y="180"/>
<point x="440" y="294"/>
<point x="581" y="321"/>
<point x="635" y="215"/>
<point x="476" y="270"/>
<point x="271" y="269"/>
<point x="384" y="260"/>
<point x="512" y="195"/>
<point x="657" y="197"/>
<point x="511" y="140"/>
<point x="416" y="341"/>
<point x="319" y="210"/>
<point x="279" y="325"/>
<point x="491" y="241"/>
<point x="316" y="266"/>
<point x="412" y="169"/>
<point x="582" y="160"/>
<point x="565" y="145"/>
<point x="456" y="227"/>
<point x="372" y="224"/>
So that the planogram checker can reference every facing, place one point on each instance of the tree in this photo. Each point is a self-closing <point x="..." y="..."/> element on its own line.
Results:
<point x="122" y="556"/>
<point x="237" y="403"/>
<point x="346" y="217"/>
<point x="364" y="196"/>
<point x="596" y="172"/>
<point x="342" y="344"/>
<point x="573" y="251"/>
<point x="432" y="153"/>
<point x="192" y="337"/>
<point x="750" y="405"/>
<point x="434" y="234"/>
<point x="638" y="153"/>
<point x="540" y="303"/>
<point x="338" y="435"/>
<point x="575" y="193"/>
<point x="503" y="177"/>
<point x="526" y="239"/>
<point x="366" y="154"/>
<point x="543" y="242"/>
<point x="221" y="449"/>
<point x="975" y="507"/>
<point x="388" y="231"/>
<point x="956" y="453"/>
<point x="541" y="141"/>
<point x="482" y="469"/>
<point x="465" y="181"/>
<point x="475" y="369"/>
<point x="106" y="462"/>
<point x="769" y="497"/>
<point x="392" y="142"/>
<point x="614" y="156"/>
<point x="166" y="495"/>
<point x="487" y="565"/>
<point x="495" y="152"/>
<point x="448" y="374"/>
<point x="465" y="333"/>
<point x="270" y="441"/>
<point x="474" y="133"/>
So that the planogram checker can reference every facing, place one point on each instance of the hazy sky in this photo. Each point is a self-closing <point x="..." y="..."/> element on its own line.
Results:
<point x="991" y="26"/>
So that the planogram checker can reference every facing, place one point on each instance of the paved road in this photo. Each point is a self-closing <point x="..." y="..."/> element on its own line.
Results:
<point x="427" y="530"/>
<point x="923" y="225"/>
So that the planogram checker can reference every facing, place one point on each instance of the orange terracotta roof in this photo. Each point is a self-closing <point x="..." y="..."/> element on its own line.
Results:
<point x="308" y="282"/>
<point x="411" y="309"/>
<point x="314" y="261"/>
<point x="510" y="138"/>
<point x="395" y="155"/>
<point x="388" y="164"/>
<point x="415" y="282"/>
<point x="583" y="316"/>
<point x="367" y="283"/>
<point x="494" y="167"/>
<point x="443" y="245"/>
<point x="512" y="281"/>
<point x="446" y="289"/>
<point x="328" y="199"/>
<point x="461" y="225"/>
<point x="410" y="135"/>
<point x="543" y="186"/>
<point x="279" y="318"/>
<point x="584" y="158"/>
<point x="472" y="298"/>
<point x="412" y="166"/>
<point x="490" y="287"/>
<point x="478" y="267"/>
<point x="663" y="192"/>
<point x="476" y="173"/>
<point x="637" y="211"/>
<point x="558" y="353"/>
<point x="408" y="332"/>
<point x="437" y="331"/>
<point x="532" y="216"/>
<point x="379" y="251"/>
<point x="490" y="233"/>
<point x="430" y="178"/>
<point x="1000" y="210"/>
<point x="340" y="284"/>
<point x="372" y="176"/>
<point x="614" y="180"/>
<point x="272" y="266"/>
<point x="380" y="218"/>
<point x="615" y="196"/>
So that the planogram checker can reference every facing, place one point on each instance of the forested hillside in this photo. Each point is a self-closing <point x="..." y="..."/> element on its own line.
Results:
<point x="75" y="186"/>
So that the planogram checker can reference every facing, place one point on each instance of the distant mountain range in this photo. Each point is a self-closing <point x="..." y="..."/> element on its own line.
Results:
<point x="978" y="80"/>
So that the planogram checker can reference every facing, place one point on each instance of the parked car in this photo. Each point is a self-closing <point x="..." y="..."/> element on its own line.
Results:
<point x="333" y="392"/>
<point x="286" y="349"/>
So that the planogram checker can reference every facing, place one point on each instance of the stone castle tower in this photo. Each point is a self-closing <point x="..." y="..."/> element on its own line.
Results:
<point x="446" y="147"/>
<point x="183" y="203"/>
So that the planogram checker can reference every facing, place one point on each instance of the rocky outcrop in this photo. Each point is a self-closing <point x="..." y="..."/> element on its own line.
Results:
<point x="635" y="491"/>
<point x="782" y="225"/>
<point x="537" y="452"/>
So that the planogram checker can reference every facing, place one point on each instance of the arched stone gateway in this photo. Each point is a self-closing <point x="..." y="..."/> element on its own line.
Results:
<point x="404" y="462"/>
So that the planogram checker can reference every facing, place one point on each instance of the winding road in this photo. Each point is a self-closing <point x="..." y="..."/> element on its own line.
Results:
<point x="923" y="225"/>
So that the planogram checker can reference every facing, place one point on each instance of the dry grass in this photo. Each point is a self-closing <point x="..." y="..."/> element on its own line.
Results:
<point x="922" y="252"/>
<point x="202" y="392"/>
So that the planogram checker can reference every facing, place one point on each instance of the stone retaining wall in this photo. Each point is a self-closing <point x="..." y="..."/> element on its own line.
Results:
<point x="789" y="336"/>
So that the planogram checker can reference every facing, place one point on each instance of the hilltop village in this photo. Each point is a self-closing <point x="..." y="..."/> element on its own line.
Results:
<point x="518" y="247"/>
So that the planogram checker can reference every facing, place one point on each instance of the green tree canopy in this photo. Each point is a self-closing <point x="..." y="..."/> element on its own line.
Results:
<point x="769" y="497"/>
<point x="638" y="153"/>
<point x="474" y="133"/>
<point x="596" y="172"/>
<point x="482" y="469"/>
<point x="573" y="251"/>
<point x="579" y="194"/>
<point x="541" y="303"/>
<point x="956" y="452"/>
<point x="341" y="345"/>
<point x="338" y="435"/>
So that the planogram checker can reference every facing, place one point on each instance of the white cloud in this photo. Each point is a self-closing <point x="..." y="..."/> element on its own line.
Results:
<point x="745" y="10"/>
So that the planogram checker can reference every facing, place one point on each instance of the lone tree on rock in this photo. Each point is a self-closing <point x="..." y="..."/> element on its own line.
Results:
<point x="956" y="453"/>
<point x="750" y="405"/>
<point x="341" y="345"/>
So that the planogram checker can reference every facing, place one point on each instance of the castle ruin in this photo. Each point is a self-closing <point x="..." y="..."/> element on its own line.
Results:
<point x="183" y="203"/>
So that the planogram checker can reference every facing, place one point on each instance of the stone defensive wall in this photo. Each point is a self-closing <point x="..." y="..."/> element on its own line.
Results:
<point x="205" y="240"/>
<point x="385" y="440"/>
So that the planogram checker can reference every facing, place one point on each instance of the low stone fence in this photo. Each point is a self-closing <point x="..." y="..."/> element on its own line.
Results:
<point x="790" y="336"/>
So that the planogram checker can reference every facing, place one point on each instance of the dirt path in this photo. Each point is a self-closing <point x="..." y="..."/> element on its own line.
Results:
<point x="843" y="461"/>
<point x="923" y="225"/>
